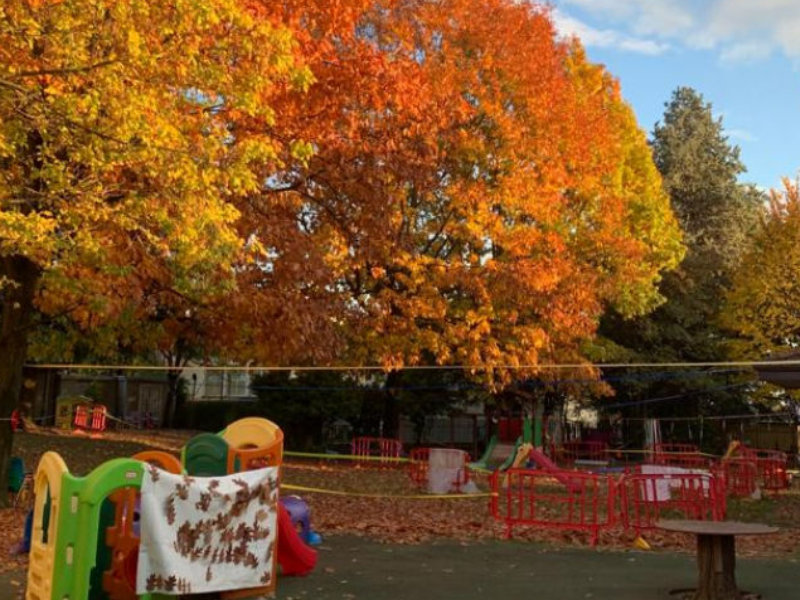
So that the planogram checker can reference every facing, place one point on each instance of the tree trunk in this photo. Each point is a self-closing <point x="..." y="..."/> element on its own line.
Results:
<point x="173" y="383"/>
<point x="16" y="312"/>
<point x="716" y="562"/>
<point x="391" y="407"/>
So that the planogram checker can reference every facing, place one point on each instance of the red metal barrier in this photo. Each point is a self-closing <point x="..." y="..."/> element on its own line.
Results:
<point x="758" y="453"/>
<point x="772" y="474"/>
<point x="418" y="466"/>
<point x="99" y="415"/>
<point x="740" y="476"/>
<point x="16" y="421"/>
<point x="680" y="455"/>
<point x="646" y="498"/>
<point x="88" y="417"/>
<point x="770" y="467"/>
<point x="559" y="500"/>
<point x="81" y="417"/>
<point x="385" y="448"/>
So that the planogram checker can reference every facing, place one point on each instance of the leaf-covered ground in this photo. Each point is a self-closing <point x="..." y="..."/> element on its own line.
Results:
<point x="404" y="520"/>
<point x="375" y="506"/>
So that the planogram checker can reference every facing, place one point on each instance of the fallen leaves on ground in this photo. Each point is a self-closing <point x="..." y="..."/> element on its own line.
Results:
<point x="395" y="519"/>
<point x="12" y="522"/>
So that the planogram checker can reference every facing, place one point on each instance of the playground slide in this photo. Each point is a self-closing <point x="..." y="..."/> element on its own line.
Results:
<point x="543" y="461"/>
<point x="547" y="465"/>
<point x="483" y="461"/>
<point x="294" y="556"/>
<point x="509" y="462"/>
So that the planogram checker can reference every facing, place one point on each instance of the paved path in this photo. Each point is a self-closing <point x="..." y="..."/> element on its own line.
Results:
<point x="353" y="569"/>
<point x="11" y="584"/>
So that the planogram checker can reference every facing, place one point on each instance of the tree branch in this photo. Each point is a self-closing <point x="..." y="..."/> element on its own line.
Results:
<point x="66" y="70"/>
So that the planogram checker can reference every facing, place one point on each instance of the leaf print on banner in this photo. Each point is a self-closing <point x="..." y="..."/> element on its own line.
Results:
<point x="182" y="491"/>
<point x="169" y="509"/>
<point x="204" y="502"/>
<point x="153" y="582"/>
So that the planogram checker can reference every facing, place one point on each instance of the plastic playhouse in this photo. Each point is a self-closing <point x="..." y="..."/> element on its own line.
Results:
<point x="86" y="530"/>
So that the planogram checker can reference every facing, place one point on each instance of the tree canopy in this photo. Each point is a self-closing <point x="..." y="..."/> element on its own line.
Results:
<point x="478" y="191"/>
<point x="318" y="182"/>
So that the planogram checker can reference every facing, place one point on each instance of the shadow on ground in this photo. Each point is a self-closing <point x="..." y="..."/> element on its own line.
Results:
<point x="355" y="569"/>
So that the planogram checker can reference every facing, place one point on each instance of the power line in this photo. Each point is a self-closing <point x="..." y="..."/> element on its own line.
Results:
<point x="673" y="397"/>
<point x="714" y="417"/>
<point x="529" y="384"/>
<point x="500" y="367"/>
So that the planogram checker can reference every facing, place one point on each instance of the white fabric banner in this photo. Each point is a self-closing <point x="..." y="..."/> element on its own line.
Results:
<point x="664" y="486"/>
<point x="207" y="534"/>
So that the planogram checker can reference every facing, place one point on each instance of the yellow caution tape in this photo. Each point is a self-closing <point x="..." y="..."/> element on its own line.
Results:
<point x="353" y="457"/>
<point x="313" y="490"/>
<point x="347" y="457"/>
<point x="645" y="451"/>
<point x="480" y="470"/>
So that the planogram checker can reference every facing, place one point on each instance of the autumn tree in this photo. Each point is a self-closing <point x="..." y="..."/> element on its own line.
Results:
<point x="479" y="192"/>
<point x="761" y="307"/>
<point x="119" y="151"/>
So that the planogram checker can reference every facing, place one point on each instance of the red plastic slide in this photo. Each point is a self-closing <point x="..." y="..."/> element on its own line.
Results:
<point x="548" y="466"/>
<point x="294" y="555"/>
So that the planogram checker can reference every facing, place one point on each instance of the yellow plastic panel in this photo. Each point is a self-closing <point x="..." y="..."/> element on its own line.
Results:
<point x="47" y="481"/>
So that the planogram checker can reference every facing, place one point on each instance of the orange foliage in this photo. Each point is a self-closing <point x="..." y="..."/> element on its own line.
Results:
<point x="477" y="194"/>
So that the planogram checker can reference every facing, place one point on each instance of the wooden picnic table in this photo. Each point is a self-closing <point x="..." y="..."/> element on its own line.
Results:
<point x="716" y="553"/>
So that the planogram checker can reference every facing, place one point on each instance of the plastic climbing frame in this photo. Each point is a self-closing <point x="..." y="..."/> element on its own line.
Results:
<point x="85" y="539"/>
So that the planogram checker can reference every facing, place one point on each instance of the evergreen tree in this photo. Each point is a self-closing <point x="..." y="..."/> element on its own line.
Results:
<point x="699" y="168"/>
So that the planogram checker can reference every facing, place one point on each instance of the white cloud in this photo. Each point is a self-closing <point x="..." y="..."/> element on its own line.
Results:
<point x="605" y="38"/>
<point x="738" y="30"/>
<point x="641" y="46"/>
<point x="661" y="18"/>
<point x="741" y="134"/>
<point x="745" y="52"/>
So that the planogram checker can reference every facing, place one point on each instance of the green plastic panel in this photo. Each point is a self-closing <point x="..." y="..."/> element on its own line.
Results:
<point x="206" y="455"/>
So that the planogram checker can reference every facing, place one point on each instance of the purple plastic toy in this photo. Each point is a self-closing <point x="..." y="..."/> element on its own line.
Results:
<point x="300" y="514"/>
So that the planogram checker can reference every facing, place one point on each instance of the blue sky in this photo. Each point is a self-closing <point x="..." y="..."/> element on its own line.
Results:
<point x="743" y="56"/>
